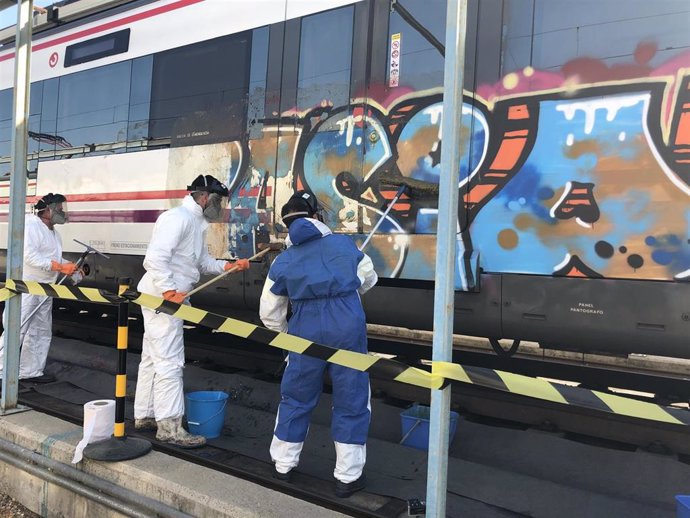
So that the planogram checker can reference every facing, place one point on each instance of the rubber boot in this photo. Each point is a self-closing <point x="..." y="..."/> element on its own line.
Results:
<point x="345" y="490"/>
<point x="147" y="424"/>
<point x="171" y="431"/>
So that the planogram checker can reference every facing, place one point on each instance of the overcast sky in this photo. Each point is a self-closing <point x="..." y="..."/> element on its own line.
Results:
<point x="9" y="16"/>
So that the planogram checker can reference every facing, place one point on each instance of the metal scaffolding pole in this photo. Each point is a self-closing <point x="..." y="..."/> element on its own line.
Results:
<point x="437" y="474"/>
<point x="18" y="179"/>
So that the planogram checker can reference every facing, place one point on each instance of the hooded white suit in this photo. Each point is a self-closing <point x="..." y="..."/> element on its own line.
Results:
<point x="41" y="246"/>
<point x="175" y="258"/>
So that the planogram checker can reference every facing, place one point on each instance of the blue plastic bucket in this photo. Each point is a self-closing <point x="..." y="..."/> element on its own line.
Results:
<point x="415" y="426"/>
<point x="683" y="506"/>
<point x="206" y="412"/>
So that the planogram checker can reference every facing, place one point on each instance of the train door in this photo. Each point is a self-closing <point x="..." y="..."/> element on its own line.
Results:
<point x="315" y="66"/>
<point x="252" y="203"/>
<point x="406" y="87"/>
<point x="405" y="96"/>
<point x="327" y="99"/>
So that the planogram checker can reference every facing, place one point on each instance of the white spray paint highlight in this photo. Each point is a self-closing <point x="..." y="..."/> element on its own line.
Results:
<point x="562" y="264"/>
<point x="435" y="113"/>
<point x="568" y="187"/>
<point x="612" y="105"/>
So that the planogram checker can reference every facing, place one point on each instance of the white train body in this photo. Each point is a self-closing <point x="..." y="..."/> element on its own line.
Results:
<point x="115" y="198"/>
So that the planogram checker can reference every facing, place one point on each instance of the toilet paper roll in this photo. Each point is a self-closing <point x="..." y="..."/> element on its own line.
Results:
<point x="99" y="421"/>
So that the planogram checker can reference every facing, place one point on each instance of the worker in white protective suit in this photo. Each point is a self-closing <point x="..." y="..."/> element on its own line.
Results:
<point x="176" y="256"/>
<point x="322" y="276"/>
<point x="43" y="262"/>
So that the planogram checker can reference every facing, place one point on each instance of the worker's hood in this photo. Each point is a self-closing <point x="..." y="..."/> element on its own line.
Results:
<point x="306" y="229"/>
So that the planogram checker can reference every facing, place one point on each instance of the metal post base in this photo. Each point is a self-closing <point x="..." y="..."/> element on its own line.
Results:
<point x="117" y="448"/>
<point x="15" y="410"/>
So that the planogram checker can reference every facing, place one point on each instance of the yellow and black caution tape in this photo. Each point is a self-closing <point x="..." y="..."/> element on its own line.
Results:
<point x="377" y="367"/>
<point x="381" y="368"/>
<point x="560" y="393"/>
<point x="6" y="294"/>
<point x="60" y="291"/>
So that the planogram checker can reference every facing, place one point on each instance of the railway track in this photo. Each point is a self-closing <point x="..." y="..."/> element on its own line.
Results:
<point x="663" y="380"/>
<point x="660" y="379"/>
<point x="217" y="351"/>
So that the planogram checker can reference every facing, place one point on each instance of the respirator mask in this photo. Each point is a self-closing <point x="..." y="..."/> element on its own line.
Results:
<point x="214" y="207"/>
<point x="58" y="215"/>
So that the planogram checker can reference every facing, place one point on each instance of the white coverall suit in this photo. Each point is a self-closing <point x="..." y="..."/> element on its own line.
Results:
<point x="176" y="256"/>
<point x="41" y="246"/>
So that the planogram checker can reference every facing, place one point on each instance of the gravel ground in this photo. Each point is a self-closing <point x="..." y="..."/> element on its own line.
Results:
<point x="10" y="508"/>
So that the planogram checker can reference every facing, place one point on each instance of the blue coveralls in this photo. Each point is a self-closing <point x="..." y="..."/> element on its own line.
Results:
<point x="318" y="274"/>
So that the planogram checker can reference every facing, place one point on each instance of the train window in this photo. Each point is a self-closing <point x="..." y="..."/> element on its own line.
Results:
<point x="413" y="60"/>
<point x="48" y="139"/>
<point x="257" y="82"/>
<point x="199" y="91"/>
<point x="35" y="105"/>
<point x="325" y="58"/>
<point x="5" y="130"/>
<point x="591" y="38"/>
<point x="97" y="48"/>
<point x="140" y="99"/>
<point x="93" y="105"/>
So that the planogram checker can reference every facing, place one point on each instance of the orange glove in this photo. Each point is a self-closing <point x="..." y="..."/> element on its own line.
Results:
<point x="240" y="265"/>
<point x="63" y="268"/>
<point x="175" y="296"/>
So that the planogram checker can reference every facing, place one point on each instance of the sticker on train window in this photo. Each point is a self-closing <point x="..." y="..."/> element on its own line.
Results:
<point x="97" y="48"/>
<point x="396" y="49"/>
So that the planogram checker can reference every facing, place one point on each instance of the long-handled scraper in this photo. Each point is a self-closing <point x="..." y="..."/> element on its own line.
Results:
<point x="80" y="261"/>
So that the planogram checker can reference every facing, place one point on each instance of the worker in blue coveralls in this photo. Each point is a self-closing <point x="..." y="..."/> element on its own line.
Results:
<point x="322" y="276"/>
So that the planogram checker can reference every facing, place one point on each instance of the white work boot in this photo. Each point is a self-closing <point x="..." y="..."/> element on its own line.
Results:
<point x="146" y="424"/>
<point x="171" y="431"/>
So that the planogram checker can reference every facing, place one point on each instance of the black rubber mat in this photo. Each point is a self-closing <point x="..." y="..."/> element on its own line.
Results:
<point x="68" y="392"/>
<point x="66" y="400"/>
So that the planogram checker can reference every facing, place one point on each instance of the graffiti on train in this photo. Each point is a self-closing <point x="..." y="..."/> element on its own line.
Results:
<point x="587" y="180"/>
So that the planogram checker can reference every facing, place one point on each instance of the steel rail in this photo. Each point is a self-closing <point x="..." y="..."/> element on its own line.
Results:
<point x="666" y="378"/>
<point x="476" y="402"/>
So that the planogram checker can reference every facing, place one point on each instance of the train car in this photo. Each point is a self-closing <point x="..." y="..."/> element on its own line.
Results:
<point x="574" y="216"/>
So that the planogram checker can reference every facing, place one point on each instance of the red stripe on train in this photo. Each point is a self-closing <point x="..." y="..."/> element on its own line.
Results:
<point x="138" y="195"/>
<point x="110" y="25"/>
<point x="115" y="196"/>
<point x="107" y="216"/>
<point x="128" y="216"/>
<point x="141" y="216"/>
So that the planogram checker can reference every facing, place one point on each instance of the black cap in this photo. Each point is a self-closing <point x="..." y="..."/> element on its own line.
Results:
<point x="302" y="204"/>
<point x="49" y="199"/>
<point x="208" y="183"/>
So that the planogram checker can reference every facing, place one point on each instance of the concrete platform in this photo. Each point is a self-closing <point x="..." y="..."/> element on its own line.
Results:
<point x="186" y="487"/>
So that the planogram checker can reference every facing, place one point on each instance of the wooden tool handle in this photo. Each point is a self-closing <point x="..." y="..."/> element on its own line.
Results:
<point x="226" y="272"/>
